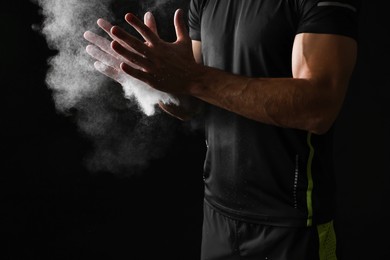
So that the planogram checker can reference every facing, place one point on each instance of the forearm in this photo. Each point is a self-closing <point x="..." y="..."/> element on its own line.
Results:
<point x="310" y="100"/>
<point x="286" y="102"/>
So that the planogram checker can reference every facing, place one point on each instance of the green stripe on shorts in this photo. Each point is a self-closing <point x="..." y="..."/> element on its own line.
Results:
<point x="327" y="241"/>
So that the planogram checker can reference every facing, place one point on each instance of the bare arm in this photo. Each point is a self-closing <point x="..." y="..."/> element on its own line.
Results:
<point x="197" y="51"/>
<point x="310" y="100"/>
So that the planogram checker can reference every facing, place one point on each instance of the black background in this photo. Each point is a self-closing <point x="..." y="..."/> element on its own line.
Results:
<point x="53" y="207"/>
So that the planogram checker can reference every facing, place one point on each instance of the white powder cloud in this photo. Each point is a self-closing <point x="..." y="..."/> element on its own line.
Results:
<point x="115" y="121"/>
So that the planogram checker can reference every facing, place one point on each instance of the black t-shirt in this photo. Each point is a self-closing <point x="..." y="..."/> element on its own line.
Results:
<point x="254" y="171"/>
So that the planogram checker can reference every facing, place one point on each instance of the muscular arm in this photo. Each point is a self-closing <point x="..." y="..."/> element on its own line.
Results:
<point x="310" y="100"/>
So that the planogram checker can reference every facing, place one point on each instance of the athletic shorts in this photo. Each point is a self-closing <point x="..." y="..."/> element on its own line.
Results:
<point x="225" y="238"/>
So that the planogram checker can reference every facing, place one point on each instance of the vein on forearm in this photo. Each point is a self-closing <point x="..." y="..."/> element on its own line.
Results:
<point x="285" y="102"/>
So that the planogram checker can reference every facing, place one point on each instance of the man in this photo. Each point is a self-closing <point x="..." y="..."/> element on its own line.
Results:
<point x="269" y="78"/>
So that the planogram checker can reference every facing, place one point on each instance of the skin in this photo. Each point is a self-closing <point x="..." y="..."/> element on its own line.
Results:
<point x="310" y="100"/>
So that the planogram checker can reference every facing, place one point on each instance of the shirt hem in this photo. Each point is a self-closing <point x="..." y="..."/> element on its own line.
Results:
<point x="257" y="218"/>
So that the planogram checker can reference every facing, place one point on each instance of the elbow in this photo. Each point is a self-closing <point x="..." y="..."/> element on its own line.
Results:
<point x="319" y="128"/>
<point x="324" y="113"/>
<point x="321" y="124"/>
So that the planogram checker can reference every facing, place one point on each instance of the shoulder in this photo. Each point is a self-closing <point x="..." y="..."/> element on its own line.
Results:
<point x="331" y="17"/>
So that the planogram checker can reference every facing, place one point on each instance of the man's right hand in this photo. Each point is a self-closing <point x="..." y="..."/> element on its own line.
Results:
<point x="108" y="63"/>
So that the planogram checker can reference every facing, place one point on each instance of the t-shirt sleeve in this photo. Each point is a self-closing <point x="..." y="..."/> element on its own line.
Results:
<point x="333" y="17"/>
<point x="194" y="14"/>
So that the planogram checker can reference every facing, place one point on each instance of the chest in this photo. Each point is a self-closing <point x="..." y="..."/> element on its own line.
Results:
<point x="248" y="24"/>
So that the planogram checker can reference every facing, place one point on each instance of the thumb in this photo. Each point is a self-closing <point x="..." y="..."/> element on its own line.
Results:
<point x="150" y="22"/>
<point x="180" y="26"/>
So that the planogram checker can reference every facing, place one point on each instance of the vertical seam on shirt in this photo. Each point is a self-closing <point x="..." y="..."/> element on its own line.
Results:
<point x="295" y="184"/>
<point x="309" y="182"/>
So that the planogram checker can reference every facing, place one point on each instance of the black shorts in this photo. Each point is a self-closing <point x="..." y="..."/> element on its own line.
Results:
<point x="225" y="238"/>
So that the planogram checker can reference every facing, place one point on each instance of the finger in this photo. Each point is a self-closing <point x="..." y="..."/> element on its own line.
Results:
<point x="102" y="43"/>
<point x="141" y="28"/>
<point x="132" y="57"/>
<point x="138" y="74"/>
<point x="103" y="57"/>
<point x="180" y="27"/>
<point x="151" y="22"/>
<point x="110" y="72"/>
<point x="128" y="40"/>
<point x="105" y="25"/>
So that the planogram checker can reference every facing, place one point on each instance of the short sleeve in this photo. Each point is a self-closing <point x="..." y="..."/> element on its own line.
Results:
<point x="334" y="17"/>
<point x="194" y="14"/>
